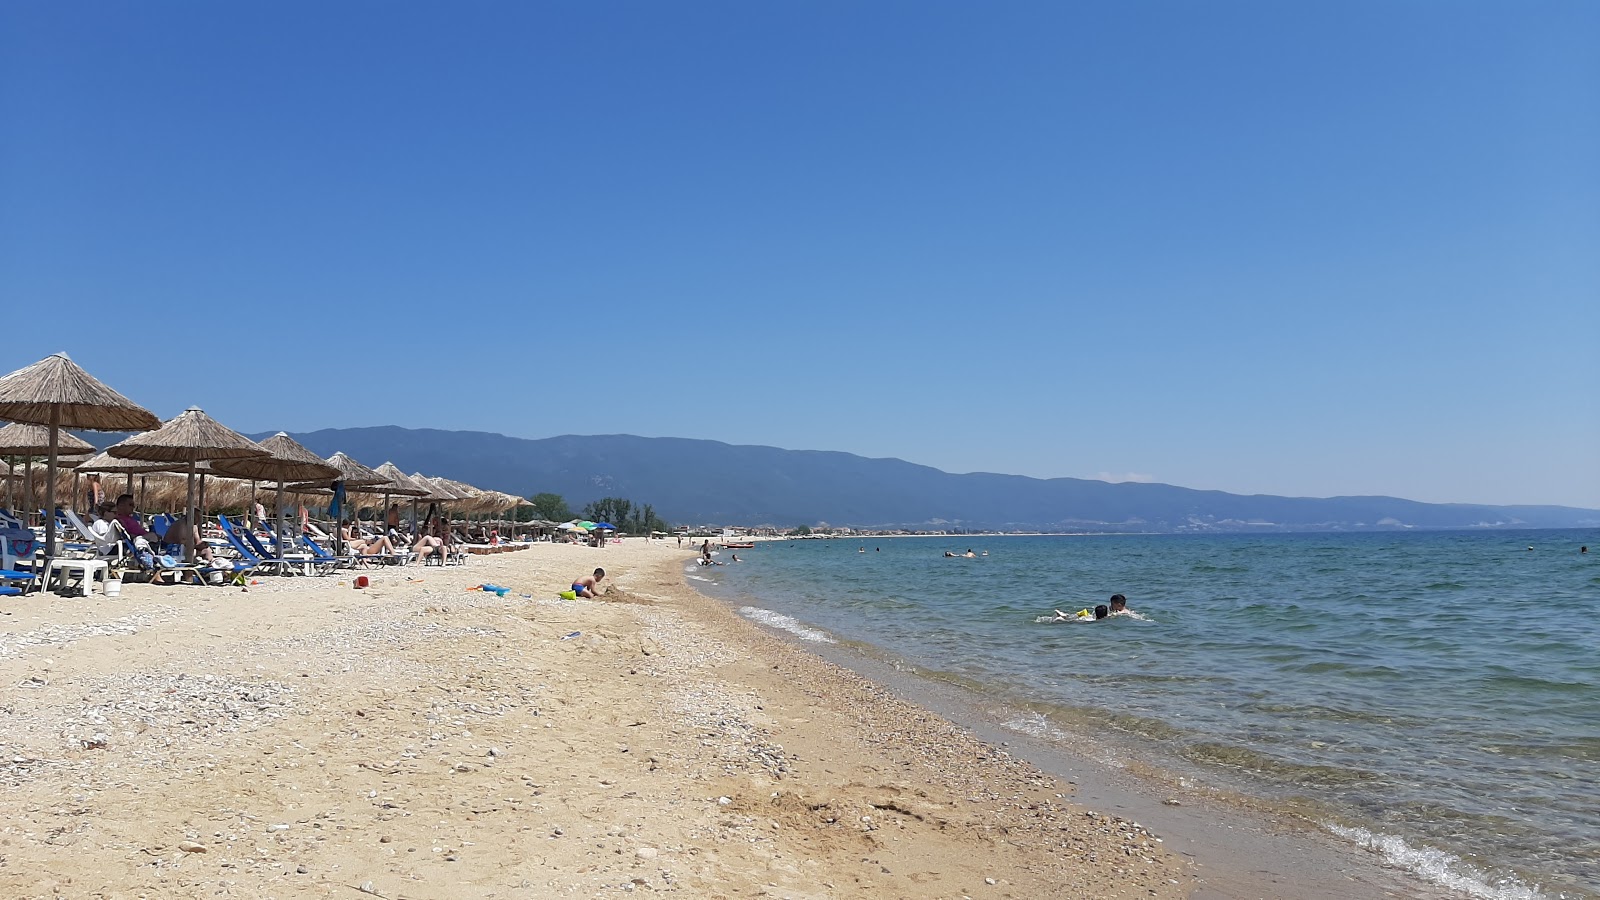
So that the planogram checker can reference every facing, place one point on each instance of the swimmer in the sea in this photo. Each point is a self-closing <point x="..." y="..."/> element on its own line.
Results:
<point x="1119" y="605"/>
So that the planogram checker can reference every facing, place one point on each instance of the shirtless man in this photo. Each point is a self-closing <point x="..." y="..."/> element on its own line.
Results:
<point x="589" y="585"/>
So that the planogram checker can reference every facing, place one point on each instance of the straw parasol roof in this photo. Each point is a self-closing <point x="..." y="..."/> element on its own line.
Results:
<point x="354" y="474"/>
<point x="20" y="439"/>
<point x="191" y="436"/>
<point x="55" y="390"/>
<point x="436" y="493"/>
<point x="398" y="484"/>
<point x="57" y="393"/>
<point x="286" y="461"/>
<point x="442" y="491"/>
<point x="105" y="463"/>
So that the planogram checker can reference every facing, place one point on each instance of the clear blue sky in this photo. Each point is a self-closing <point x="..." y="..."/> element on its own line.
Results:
<point x="1293" y="248"/>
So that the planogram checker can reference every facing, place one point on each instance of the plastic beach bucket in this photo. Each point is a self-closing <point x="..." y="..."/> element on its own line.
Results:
<point x="362" y="581"/>
<point x="568" y="595"/>
<point x="113" y="587"/>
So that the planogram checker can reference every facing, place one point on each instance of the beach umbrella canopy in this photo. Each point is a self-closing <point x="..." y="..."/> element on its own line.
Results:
<point x="286" y="461"/>
<point x="56" y="393"/>
<point x="190" y="438"/>
<point x="104" y="463"/>
<point x="20" y="439"/>
<point x="397" y="484"/>
<point x="442" y="491"/>
<point x="354" y="474"/>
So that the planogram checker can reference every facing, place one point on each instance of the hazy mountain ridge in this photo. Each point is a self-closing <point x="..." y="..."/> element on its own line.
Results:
<point x="700" y="481"/>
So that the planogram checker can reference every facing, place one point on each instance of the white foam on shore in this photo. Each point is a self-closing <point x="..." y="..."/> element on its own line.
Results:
<point x="786" y="623"/>
<point x="1033" y="725"/>
<point x="1441" y="868"/>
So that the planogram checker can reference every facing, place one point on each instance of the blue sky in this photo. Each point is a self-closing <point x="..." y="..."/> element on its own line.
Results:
<point x="1309" y="248"/>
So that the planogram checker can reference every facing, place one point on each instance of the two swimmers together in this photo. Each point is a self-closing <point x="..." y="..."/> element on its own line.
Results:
<point x="1118" y="607"/>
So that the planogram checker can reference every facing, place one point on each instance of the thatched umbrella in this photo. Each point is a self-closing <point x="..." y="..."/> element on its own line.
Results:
<point x="56" y="393"/>
<point x="399" y="485"/>
<point x="433" y="495"/>
<point x="355" y="476"/>
<point x="18" y="440"/>
<point x="286" y="461"/>
<point x="189" y="439"/>
<point x="106" y="464"/>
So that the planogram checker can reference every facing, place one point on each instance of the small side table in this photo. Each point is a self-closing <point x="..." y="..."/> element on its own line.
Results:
<point x="88" y="571"/>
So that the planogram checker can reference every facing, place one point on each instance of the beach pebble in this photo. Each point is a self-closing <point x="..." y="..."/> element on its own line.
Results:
<point x="192" y="847"/>
<point x="301" y="870"/>
<point x="280" y="827"/>
<point x="989" y="881"/>
<point x="647" y="853"/>
<point x="723" y="801"/>
<point x="367" y="888"/>
<point x="1172" y="801"/>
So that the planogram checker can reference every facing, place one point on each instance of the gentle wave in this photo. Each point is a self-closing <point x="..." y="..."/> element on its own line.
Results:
<point x="786" y="623"/>
<point x="1441" y="868"/>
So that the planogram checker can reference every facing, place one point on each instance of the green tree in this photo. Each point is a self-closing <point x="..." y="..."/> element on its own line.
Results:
<point x="803" y="529"/>
<point x="625" y="515"/>
<point x="551" y="506"/>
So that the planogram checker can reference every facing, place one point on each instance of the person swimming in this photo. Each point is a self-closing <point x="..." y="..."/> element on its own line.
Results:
<point x="1082" y="615"/>
<point x="1119" y="605"/>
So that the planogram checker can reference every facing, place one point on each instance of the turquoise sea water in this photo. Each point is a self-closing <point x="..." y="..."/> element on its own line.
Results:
<point x="1433" y="695"/>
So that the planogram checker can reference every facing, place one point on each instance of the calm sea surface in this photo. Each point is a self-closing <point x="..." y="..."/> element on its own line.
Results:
<point x="1433" y="695"/>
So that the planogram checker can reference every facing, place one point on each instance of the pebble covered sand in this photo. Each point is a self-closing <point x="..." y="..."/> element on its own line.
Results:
<point x="416" y="739"/>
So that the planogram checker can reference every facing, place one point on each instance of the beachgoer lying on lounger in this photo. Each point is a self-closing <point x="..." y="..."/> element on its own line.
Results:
<point x="429" y="544"/>
<point x="180" y="535"/>
<point x="589" y="585"/>
<point x="365" y="546"/>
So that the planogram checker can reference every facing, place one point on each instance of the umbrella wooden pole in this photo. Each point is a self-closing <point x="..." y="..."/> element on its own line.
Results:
<point x="129" y="491"/>
<point x="50" y="495"/>
<point x="281" y="540"/>
<point x="188" y="538"/>
<point x="27" y="488"/>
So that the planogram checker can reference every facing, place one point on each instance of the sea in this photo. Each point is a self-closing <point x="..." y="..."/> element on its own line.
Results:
<point x="1431" y="696"/>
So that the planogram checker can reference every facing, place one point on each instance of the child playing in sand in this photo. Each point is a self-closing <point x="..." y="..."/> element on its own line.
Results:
<point x="589" y="585"/>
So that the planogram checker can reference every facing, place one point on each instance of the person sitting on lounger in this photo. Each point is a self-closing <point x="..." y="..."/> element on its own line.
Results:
<point x="429" y="543"/>
<point x="179" y="535"/>
<point x="589" y="585"/>
<point x="131" y="523"/>
<point x="364" y="546"/>
<point x="101" y="523"/>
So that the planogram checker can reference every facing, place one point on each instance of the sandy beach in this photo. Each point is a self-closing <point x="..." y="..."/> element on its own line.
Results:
<point x="302" y="738"/>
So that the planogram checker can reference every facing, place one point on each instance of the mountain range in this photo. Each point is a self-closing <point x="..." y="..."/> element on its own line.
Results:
<point x="709" y="482"/>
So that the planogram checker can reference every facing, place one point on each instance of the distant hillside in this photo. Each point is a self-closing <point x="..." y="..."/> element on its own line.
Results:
<point x="693" y="481"/>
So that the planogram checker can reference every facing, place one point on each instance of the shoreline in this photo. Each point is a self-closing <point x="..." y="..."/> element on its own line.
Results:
<point x="302" y="738"/>
<point x="1240" y="845"/>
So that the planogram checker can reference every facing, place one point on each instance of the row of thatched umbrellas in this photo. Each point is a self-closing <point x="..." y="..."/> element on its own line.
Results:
<point x="55" y="394"/>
